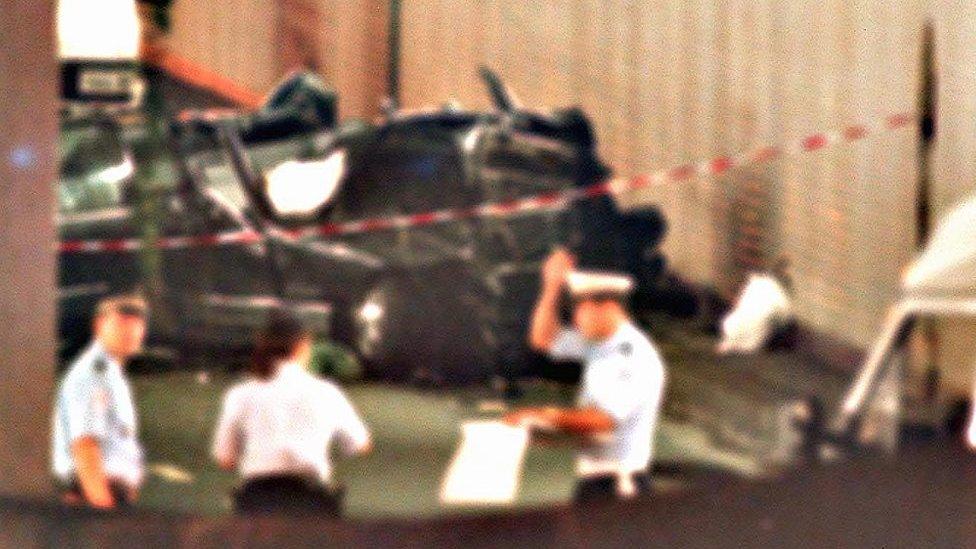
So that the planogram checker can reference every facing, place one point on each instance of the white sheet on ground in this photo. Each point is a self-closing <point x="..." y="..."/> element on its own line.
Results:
<point x="487" y="466"/>
<point x="762" y="307"/>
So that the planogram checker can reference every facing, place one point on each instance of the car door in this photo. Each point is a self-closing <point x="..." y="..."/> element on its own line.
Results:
<point x="517" y="165"/>
<point x="228" y="283"/>
<point x="409" y="170"/>
<point x="383" y="176"/>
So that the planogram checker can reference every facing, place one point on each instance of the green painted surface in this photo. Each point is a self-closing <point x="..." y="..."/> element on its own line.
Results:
<point x="415" y="434"/>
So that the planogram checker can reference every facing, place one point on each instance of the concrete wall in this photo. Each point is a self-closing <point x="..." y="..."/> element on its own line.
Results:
<point x="234" y="38"/>
<point x="28" y="169"/>
<point x="256" y="42"/>
<point x="676" y="81"/>
<point x="666" y="83"/>
<point x="671" y="82"/>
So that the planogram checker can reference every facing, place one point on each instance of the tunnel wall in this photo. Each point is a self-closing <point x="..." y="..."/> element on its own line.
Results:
<point x="671" y="82"/>
<point x="29" y="110"/>
<point x="668" y="83"/>
<point x="255" y="43"/>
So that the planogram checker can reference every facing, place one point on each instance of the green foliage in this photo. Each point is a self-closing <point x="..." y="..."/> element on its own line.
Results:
<point x="336" y="361"/>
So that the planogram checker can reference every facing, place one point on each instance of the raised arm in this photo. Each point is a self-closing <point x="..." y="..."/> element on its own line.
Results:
<point x="545" y="318"/>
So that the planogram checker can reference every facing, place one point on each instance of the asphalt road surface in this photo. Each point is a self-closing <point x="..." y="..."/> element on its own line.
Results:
<point x="924" y="498"/>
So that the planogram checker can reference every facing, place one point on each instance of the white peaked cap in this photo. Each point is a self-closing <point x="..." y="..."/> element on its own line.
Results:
<point x="598" y="282"/>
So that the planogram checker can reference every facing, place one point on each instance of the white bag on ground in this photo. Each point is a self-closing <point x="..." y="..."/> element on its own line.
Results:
<point x="762" y="308"/>
<point x="487" y="466"/>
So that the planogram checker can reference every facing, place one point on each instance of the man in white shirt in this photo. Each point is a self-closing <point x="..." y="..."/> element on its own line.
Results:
<point x="278" y="428"/>
<point x="95" y="448"/>
<point x="623" y="379"/>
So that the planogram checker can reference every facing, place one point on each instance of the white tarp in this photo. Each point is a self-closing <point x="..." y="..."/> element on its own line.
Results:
<point x="762" y="307"/>
<point x="487" y="466"/>
<point x="299" y="188"/>
<point x="947" y="266"/>
<point x="946" y="270"/>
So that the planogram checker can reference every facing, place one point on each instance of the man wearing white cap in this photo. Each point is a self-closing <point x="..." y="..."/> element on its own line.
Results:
<point x="97" y="457"/>
<point x="622" y="385"/>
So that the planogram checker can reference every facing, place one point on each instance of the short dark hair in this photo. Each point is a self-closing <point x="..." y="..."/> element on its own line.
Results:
<point x="277" y="340"/>
<point x="123" y="304"/>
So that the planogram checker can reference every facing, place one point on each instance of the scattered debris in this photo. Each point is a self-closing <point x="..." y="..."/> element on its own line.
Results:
<point x="171" y="473"/>
<point x="492" y="406"/>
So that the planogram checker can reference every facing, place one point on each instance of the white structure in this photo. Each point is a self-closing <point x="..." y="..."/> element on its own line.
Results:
<point x="98" y="45"/>
<point x="102" y="30"/>
<point x="941" y="283"/>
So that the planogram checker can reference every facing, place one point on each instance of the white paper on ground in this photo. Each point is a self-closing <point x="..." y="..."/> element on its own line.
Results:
<point x="487" y="466"/>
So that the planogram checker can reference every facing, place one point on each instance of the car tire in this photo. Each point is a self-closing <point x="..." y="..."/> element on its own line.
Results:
<point x="432" y="326"/>
<point x="381" y="328"/>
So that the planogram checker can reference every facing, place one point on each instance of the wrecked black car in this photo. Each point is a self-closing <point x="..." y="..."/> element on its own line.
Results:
<point x="415" y="240"/>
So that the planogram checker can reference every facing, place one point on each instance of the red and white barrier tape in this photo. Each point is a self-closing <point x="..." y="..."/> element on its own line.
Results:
<point x="553" y="200"/>
<point x="814" y="142"/>
<point x="134" y="244"/>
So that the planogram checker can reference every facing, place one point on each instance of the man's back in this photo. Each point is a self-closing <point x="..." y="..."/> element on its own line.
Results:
<point x="288" y="423"/>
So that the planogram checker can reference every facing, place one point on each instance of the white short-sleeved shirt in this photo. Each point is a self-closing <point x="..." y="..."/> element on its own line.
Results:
<point x="286" y="425"/>
<point x="94" y="399"/>
<point x="623" y="376"/>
